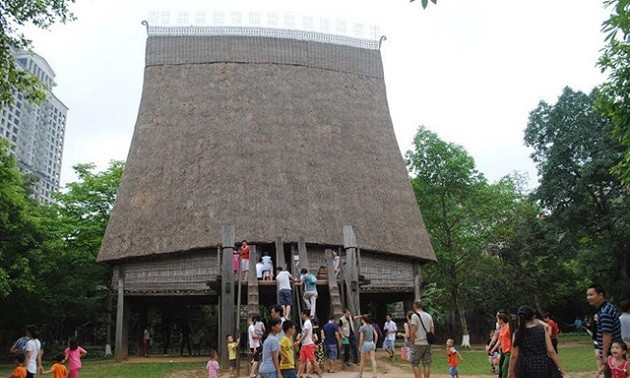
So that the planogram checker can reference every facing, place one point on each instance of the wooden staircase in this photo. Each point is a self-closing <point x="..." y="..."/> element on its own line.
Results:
<point x="333" y="287"/>
<point x="253" y="296"/>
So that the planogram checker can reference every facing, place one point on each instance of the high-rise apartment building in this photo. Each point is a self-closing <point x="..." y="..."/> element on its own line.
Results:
<point x="36" y="132"/>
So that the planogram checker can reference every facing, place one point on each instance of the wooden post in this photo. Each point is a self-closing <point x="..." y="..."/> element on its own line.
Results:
<point x="253" y="305"/>
<point x="351" y="270"/>
<point x="122" y="340"/>
<point x="303" y="254"/>
<point x="281" y="263"/>
<point x="417" y="277"/>
<point x="227" y="289"/>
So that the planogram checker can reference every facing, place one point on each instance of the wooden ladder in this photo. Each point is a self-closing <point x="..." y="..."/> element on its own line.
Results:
<point x="336" y="308"/>
<point x="253" y="296"/>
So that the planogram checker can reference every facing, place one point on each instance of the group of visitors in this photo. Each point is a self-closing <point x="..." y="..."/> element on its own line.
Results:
<point x="28" y="352"/>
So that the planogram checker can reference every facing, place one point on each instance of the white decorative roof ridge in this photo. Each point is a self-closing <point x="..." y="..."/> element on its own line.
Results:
<point x="372" y="44"/>
<point x="305" y="27"/>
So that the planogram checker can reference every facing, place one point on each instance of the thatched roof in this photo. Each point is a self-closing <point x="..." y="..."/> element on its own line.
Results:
<point x="280" y="137"/>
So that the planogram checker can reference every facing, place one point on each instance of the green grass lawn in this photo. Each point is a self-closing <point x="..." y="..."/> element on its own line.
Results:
<point x="576" y="355"/>
<point x="575" y="352"/>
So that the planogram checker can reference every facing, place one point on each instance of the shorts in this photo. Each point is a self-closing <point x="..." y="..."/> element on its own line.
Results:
<point x="245" y="264"/>
<point x="307" y="353"/>
<point x="255" y="354"/>
<point x="452" y="370"/>
<point x="368" y="346"/>
<point x="286" y="297"/>
<point x="273" y="374"/>
<point x="233" y="363"/>
<point x="420" y="353"/>
<point x="388" y="344"/>
<point x="288" y="373"/>
<point x="331" y="351"/>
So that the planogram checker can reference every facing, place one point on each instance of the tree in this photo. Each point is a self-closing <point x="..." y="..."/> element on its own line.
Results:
<point x="614" y="94"/>
<point x="16" y="14"/>
<point x="464" y="216"/>
<point x="20" y="233"/>
<point x="574" y="153"/>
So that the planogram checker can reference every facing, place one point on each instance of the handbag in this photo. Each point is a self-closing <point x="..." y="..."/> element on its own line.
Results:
<point x="404" y="351"/>
<point x="430" y="335"/>
<point x="345" y="341"/>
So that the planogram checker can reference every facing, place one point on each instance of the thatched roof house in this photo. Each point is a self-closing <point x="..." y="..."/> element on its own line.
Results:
<point x="279" y="133"/>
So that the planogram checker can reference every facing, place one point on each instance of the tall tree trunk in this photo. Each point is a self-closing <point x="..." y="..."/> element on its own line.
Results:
<point x="465" y="332"/>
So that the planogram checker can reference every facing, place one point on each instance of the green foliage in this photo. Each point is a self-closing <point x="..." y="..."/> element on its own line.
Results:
<point x="586" y="204"/>
<point x="13" y="16"/>
<point x="614" y="95"/>
<point x="466" y="218"/>
<point x="425" y="3"/>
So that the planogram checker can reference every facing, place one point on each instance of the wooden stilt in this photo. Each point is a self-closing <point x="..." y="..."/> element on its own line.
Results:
<point x="253" y="298"/>
<point x="122" y="341"/>
<point x="280" y="262"/>
<point x="227" y="289"/>
<point x="351" y="270"/>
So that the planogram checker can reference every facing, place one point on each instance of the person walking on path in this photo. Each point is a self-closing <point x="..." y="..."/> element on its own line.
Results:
<point x="307" y="352"/>
<point x="390" y="330"/>
<point x="420" y="323"/>
<point x="452" y="354"/>
<point x="255" y="333"/>
<point x="349" y="341"/>
<point x="332" y="339"/>
<point x="33" y="352"/>
<point x="607" y="327"/>
<point x="74" y="353"/>
<point x="504" y="343"/>
<point x="213" y="365"/>
<point x="270" y="366"/>
<point x="287" y="353"/>
<point x="367" y="344"/>
<point x="532" y="354"/>
<point x="553" y="327"/>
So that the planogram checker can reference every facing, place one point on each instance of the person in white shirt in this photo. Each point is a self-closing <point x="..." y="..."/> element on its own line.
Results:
<point x="285" y="294"/>
<point x="33" y="352"/>
<point x="624" y="322"/>
<point x="255" y="333"/>
<point x="390" y="330"/>
<point x="307" y="352"/>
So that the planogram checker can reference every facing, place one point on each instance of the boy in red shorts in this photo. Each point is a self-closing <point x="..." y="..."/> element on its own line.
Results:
<point x="307" y="352"/>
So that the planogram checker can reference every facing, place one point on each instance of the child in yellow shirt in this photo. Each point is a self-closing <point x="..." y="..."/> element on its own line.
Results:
<point x="232" y="346"/>
<point x="287" y="353"/>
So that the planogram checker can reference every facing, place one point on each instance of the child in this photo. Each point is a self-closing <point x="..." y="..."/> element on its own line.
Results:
<point x="287" y="355"/>
<point x="58" y="368"/>
<point x="213" y="365"/>
<point x="73" y="355"/>
<point x="452" y="355"/>
<point x="232" y="348"/>
<point x="617" y="362"/>
<point x="267" y="267"/>
<point x="493" y="358"/>
<point x="20" y="370"/>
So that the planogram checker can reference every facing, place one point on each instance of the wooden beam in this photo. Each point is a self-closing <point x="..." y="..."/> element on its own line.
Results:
<point x="253" y="304"/>
<point x="227" y="288"/>
<point x="303" y="254"/>
<point x="351" y="270"/>
<point x="417" y="279"/>
<point x="280" y="262"/>
<point x="122" y="343"/>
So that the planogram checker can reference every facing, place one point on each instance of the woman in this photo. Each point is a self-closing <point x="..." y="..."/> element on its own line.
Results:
<point x="33" y="352"/>
<point x="533" y="355"/>
<point x="319" y="345"/>
<point x="504" y="343"/>
<point x="406" y="349"/>
<point x="367" y="344"/>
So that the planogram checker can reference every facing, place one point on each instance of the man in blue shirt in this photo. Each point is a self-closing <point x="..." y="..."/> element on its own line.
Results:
<point x="607" y="327"/>
<point x="332" y="340"/>
<point x="310" y="290"/>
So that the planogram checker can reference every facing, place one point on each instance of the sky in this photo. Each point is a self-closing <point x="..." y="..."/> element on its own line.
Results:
<point x="469" y="70"/>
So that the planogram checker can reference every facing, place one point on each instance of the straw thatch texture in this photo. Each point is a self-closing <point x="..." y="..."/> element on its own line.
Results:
<point x="274" y="147"/>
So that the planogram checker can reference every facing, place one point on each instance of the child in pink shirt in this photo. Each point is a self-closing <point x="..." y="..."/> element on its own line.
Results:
<point x="213" y="365"/>
<point x="73" y="355"/>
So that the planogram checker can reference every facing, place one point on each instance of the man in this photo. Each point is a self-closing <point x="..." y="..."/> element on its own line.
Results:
<point x="348" y="328"/>
<point x="285" y="295"/>
<point x="270" y="366"/>
<point x="310" y="291"/>
<point x="420" y="324"/>
<point x="332" y="340"/>
<point x="390" y="330"/>
<point x="553" y="327"/>
<point x="607" y="327"/>
<point x="307" y="352"/>
<point x="624" y="322"/>
<point x="277" y="312"/>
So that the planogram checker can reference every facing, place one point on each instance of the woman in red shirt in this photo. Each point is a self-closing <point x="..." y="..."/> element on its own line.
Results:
<point x="245" y="259"/>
